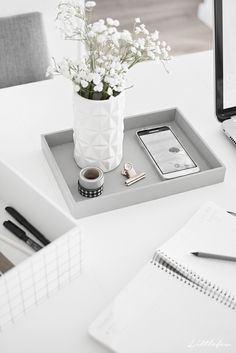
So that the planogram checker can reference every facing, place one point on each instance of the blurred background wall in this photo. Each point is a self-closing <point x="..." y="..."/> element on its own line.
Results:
<point x="177" y="20"/>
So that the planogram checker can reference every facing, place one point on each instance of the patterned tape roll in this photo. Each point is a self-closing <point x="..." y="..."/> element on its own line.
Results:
<point x="91" y="180"/>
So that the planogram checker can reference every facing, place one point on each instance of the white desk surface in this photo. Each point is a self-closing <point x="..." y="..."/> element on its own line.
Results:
<point x="115" y="244"/>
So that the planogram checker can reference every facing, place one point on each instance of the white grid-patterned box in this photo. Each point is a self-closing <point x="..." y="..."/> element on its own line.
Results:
<point x="34" y="278"/>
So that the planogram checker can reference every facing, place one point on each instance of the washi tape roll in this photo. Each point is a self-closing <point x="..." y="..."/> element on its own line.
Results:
<point x="90" y="183"/>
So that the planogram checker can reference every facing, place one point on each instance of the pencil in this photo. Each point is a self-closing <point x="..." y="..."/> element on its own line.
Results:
<point x="214" y="256"/>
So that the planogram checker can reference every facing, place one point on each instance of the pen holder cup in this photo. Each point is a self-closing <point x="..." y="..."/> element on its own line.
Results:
<point x="34" y="277"/>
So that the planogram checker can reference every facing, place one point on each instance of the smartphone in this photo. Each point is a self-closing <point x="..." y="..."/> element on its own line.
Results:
<point x="167" y="153"/>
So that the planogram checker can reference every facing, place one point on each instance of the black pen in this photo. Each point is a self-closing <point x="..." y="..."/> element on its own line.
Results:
<point x="232" y="213"/>
<point x="18" y="217"/>
<point x="20" y="233"/>
<point x="214" y="256"/>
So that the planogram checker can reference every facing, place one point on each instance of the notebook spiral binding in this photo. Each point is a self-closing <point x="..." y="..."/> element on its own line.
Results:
<point x="173" y="268"/>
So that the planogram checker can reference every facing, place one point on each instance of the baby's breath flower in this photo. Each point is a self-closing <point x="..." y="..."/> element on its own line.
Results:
<point x="116" y="23"/>
<point x="155" y="35"/>
<point x="64" y="69"/>
<point x="77" y="88"/>
<point x="89" y="77"/>
<point x="111" y="30"/>
<point x="151" y="55"/>
<point x="98" y="87"/>
<point x="126" y="36"/>
<point x="96" y="78"/>
<point x="110" y="21"/>
<point x="110" y="91"/>
<point x="91" y="34"/>
<point x="99" y="61"/>
<point x="50" y="71"/>
<point x="110" y="52"/>
<point x="115" y="39"/>
<point x="82" y="74"/>
<point x="84" y="83"/>
<point x="90" y="4"/>
<point x="98" y="27"/>
<point x="137" y="30"/>
<point x="141" y="43"/>
<point x="134" y="50"/>
<point x="101" y="38"/>
<point x="100" y="70"/>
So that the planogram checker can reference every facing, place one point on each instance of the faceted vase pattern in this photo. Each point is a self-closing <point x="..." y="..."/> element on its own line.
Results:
<point x="98" y="131"/>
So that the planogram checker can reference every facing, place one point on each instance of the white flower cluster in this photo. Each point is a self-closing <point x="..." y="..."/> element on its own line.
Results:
<point x="110" y="52"/>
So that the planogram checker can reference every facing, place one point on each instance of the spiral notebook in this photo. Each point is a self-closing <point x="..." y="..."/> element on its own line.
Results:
<point x="179" y="303"/>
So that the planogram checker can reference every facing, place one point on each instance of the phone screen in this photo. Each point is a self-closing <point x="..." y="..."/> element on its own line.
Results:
<point x="166" y="150"/>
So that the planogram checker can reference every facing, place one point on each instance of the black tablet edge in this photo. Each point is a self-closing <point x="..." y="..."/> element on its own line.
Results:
<point x="221" y="113"/>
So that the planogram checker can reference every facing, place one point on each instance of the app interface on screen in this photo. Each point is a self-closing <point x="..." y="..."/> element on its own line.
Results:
<point x="229" y="53"/>
<point x="167" y="151"/>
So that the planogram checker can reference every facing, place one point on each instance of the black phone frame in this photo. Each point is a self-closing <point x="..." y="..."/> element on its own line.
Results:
<point x="221" y="112"/>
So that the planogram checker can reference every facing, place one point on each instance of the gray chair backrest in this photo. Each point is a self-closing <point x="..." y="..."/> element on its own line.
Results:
<point x="23" y="49"/>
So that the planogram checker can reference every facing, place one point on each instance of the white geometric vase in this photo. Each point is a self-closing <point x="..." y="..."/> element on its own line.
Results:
<point x="98" y="131"/>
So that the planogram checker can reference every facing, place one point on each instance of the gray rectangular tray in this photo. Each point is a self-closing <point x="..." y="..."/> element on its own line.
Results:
<point x="58" y="149"/>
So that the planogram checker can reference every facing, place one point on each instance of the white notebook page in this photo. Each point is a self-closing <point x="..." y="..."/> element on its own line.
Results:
<point x="210" y="230"/>
<point x="157" y="312"/>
